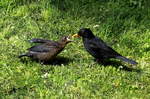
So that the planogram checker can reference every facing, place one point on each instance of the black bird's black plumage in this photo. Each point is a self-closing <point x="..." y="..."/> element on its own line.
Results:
<point x="98" y="48"/>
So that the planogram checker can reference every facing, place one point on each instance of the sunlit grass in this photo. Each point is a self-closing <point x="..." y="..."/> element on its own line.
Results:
<point x="123" y="25"/>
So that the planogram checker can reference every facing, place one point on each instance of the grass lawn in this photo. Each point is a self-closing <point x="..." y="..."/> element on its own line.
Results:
<point x="123" y="24"/>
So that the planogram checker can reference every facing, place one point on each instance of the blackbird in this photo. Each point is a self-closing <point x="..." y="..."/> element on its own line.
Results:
<point x="47" y="49"/>
<point x="98" y="48"/>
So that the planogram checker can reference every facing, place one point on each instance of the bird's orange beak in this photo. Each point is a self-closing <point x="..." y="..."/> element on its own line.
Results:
<point x="75" y="35"/>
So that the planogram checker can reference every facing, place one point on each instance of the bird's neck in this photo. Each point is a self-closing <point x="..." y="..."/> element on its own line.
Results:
<point x="86" y="39"/>
<point x="62" y="44"/>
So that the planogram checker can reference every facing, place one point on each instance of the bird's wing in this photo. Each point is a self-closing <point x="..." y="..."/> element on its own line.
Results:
<point x="101" y="47"/>
<point x="97" y="44"/>
<point x="38" y="40"/>
<point x="44" y="47"/>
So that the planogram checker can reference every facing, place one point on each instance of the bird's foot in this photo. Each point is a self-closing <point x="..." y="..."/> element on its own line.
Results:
<point x="103" y="62"/>
<point x="98" y="60"/>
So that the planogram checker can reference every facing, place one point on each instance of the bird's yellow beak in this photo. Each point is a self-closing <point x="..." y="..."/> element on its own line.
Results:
<point x="75" y="35"/>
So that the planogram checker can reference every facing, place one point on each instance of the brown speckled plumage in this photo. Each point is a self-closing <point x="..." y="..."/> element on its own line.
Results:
<point x="47" y="49"/>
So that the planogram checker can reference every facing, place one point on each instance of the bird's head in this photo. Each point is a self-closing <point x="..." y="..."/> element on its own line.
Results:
<point x="85" y="33"/>
<point x="66" y="39"/>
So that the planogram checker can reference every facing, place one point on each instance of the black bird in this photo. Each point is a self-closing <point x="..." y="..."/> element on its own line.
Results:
<point x="47" y="49"/>
<point x="98" y="48"/>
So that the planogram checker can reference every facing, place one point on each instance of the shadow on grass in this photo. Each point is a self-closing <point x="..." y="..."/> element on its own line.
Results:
<point x="120" y="65"/>
<point x="59" y="60"/>
<point x="14" y="90"/>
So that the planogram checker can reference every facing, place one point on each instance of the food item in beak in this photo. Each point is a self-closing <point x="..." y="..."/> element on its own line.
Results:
<point x="75" y="35"/>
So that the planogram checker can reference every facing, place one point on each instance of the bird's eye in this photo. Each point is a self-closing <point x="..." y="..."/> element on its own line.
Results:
<point x="66" y="38"/>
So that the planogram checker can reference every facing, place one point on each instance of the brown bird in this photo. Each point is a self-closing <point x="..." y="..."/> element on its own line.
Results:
<point x="47" y="50"/>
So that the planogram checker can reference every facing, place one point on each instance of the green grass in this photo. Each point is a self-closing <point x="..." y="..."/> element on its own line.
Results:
<point x="122" y="24"/>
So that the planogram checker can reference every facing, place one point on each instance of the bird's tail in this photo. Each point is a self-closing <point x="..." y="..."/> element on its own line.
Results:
<point x="22" y="55"/>
<point x="127" y="60"/>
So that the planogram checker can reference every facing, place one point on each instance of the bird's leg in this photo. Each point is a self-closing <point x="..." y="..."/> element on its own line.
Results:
<point x="98" y="60"/>
<point x="41" y="62"/>
<point x="101" y="61"/>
